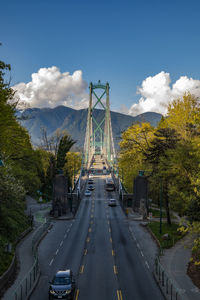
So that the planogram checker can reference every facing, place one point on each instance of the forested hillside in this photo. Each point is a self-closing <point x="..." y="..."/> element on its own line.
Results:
<point x="74" y="121"/>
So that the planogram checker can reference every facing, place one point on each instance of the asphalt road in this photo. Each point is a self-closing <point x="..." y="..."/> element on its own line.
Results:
<point x="99" y="248"/>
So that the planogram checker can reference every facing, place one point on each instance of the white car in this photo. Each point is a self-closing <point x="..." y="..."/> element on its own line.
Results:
<point x="88" y="193"/>
<point x="112" y="202"/>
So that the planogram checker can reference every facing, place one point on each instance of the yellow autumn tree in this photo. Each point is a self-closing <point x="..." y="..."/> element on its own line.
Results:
<point x="135" y="141"/>
<point x="184" y="115"/>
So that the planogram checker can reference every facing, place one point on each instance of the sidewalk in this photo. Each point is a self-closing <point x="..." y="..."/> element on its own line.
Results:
<point x="174" y="260"/>
<point x="24" y="248"/>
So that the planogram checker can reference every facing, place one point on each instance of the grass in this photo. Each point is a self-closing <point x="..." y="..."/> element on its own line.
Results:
<point x="156" y="213"/>
<point x="174" y="235"/>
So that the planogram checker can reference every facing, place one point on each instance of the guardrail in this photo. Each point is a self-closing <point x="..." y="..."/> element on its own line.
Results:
<point x="26" y="286"/>
<point x="166" y="284"/>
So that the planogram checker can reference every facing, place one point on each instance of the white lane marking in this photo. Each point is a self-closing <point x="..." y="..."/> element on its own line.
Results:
<point x="142" y="253"/>
<point x="68" y="230"/>
<point x="147" y="264"/>
<point x="65" y="236"/>
<point x="61" y="243"/>
<point x="138" y="245"/>
<point x="57" y="251"/>
<point x="51" y="261"/>
<point x="70" y="225"/>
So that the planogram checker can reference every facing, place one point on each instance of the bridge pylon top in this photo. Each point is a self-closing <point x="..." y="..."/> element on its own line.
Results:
<point x="99" y="85"/>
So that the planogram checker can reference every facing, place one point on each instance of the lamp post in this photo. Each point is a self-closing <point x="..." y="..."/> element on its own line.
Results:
<point x="161" y="195"/>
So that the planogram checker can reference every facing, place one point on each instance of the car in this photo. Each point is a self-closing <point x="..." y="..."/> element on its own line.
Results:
<point x="91" y="188"/>
<point x="90" y="181"/>
<point x="88" y="193"/>
<point x="62" y="286"/>
<point x="112" y="202"/>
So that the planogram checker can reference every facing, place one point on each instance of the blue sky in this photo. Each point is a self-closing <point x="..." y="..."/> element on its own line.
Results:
<point x="122" y="42"/>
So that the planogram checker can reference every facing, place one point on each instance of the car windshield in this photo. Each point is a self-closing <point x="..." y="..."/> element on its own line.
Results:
<point x="61" y="280"/>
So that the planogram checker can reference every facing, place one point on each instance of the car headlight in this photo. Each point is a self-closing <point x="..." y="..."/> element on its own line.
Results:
<point x="68" y="291"/>
<point x="52" y="292"/>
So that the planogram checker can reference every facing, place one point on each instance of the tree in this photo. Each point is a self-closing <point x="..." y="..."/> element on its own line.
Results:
<point x="165" y="139"/>
<point x="51" y="143"/>
<point x="184" y="115"/>
<point x="65" y="145"/>
<point x="135" y="140"/>
<point x="73" y="165"/>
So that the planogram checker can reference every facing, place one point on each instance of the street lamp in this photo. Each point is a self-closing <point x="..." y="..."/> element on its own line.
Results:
<point x="161" y="195"/>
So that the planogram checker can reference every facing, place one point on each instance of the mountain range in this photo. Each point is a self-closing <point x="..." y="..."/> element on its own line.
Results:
<point x="74" y="121"/>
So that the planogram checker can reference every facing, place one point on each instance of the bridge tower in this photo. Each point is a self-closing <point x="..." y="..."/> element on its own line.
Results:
<point x="98" y="138"/>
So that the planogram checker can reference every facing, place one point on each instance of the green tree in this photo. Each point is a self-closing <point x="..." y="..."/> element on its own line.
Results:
<point x="165" y="139"/>
<point x="65" y="145"/>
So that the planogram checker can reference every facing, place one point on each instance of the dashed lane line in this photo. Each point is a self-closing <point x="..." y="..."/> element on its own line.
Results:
<point x="51" y="261"/>
<point x="57" y="251"/>
<point x="147" y="264"/>
<point x="77" y="293"/>
<point x="82" y="269"/>
<point x="61" y="243"/>
<point x="115" y="269"/>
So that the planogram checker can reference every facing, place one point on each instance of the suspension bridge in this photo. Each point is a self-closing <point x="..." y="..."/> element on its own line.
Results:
<point x="98" y="137"/>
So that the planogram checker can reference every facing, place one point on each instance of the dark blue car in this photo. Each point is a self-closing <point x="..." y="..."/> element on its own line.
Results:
<point x="62" y="286"/>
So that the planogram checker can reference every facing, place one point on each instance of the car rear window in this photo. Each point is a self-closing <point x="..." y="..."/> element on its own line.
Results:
<point x="61" y="280"/>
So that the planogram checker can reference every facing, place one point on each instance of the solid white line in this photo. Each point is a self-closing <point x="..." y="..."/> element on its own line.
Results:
<point x="61" y="243"/>
<point x="51" y="261"/>
<point x="147" y="264"/>
<point x="141" y="253"/>
<point x="57" y="251"/>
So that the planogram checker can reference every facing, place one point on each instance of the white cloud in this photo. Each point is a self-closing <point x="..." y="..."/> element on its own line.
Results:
<point x="156" y="92"/>
<point x="49" y="88"/>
